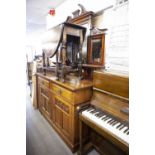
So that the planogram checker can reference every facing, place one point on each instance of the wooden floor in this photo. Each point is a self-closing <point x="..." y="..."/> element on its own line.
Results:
<point x="41" y="139"/>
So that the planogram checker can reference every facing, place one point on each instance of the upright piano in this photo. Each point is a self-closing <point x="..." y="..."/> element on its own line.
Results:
<point x="106" y="116"/>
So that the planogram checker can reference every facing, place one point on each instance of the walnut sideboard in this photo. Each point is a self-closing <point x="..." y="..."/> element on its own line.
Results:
<point x="58" y="103"/>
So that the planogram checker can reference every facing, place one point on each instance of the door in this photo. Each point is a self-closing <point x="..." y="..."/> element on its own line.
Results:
<point x="45" y="105"/>
<point x="58" y="117"/>
<point x="62" y="117"/>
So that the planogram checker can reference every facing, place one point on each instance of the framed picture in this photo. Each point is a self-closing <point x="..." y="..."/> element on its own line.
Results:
<point x="96" y="44"/>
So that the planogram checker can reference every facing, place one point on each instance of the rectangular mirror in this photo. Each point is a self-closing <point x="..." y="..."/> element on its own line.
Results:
<point x="96" y="49"/>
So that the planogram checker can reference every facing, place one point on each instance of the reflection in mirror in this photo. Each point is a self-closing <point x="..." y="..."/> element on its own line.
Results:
<point x="96" y="50"/>
<point x="72" y="49"/>
<point x="84" y="47"/>
<point x="96" y="45"/>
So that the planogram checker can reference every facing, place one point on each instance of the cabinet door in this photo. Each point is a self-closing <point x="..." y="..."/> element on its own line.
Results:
<point x="63" y="117"/>
<point x="58" y="117"/>
<point x="66" y="124"/>
<point x="45" y="105"/>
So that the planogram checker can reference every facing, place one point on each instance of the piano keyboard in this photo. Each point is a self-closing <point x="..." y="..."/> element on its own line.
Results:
<point x="118" y="128"/>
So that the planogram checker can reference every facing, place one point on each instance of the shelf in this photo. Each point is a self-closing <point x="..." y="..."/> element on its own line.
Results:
<point x="92" y="66"/>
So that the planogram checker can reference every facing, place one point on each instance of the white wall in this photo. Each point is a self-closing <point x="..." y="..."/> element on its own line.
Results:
<point x="33" y="45"/>
<point x="66" y="9"/>
<point x="117" y="39"/>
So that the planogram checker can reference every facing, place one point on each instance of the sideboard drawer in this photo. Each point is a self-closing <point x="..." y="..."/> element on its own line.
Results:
<point x="68" y="95"/>
<point x="43" y="82"/>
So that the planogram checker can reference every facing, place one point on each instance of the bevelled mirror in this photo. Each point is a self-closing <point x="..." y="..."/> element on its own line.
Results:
<point x="96" y="44"/>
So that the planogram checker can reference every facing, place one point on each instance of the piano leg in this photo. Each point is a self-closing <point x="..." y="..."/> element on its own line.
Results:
<point x="80" y="138"/>
<point x="84" y="143"/>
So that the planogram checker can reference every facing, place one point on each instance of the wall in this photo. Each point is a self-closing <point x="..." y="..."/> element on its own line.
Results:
<point x="117" y="37"/>
<point x="69" y="6"/>
<point x="33" y="45"/>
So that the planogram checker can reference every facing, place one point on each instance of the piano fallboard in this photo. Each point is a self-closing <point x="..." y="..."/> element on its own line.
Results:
<point x="111" y="104"/>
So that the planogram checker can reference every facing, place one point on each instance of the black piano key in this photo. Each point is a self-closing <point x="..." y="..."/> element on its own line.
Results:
<point x="119" y="126"/>
<point x="100" y="115"/>
<point x="97" y="113"/>
<point x="89" y="109"/>
<point x="94" y="111"/>
<point x="125" y="131"/>
<point x="122" y="127"/>
<point x="110" y="121"/>
<point x="100" y="112"/>
<point x="104" y="117"/>
<point x="114" y="123"/>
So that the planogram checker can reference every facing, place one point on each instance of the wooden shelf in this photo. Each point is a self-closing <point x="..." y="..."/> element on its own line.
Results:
<point x="92" y="66"/>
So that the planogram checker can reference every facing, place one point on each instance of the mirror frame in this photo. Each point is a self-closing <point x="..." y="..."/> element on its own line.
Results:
<point x="89" y="47"/>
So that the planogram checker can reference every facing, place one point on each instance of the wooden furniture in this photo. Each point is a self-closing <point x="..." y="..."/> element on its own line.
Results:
<point x="95" y="54"/>
<point x="109" y="101"/>
<point x="96" y="45"/>
<point x="89" y="69"/>
<point x="44" y="97"/>
<point x="85" y="20"/>
<point x="68" y="51"/>
<point x="58" y="102"/>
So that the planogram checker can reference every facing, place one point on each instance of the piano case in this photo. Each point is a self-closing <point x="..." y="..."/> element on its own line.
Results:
<point x="110" y="94"/>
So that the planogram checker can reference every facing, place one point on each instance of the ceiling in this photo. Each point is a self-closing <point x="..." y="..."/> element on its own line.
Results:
<point x="36" y="12"/>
